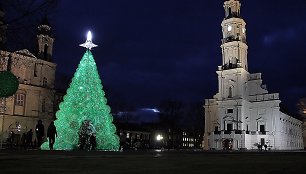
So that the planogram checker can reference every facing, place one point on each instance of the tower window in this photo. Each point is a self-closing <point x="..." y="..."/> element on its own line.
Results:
<point x="230" y="92"/>
<point x="262" y="128"/>
<point x="229" y="28"/>
<point x="229" y="12"/>
<point x="19" y="99"/>
<point x="229" y="127"/>
<point x="9" y="64"/>
<point x="35" y="70"/>
<point x="45" y="82"/>
<point x="216" y="128"/>
<point x="46" y="52"/>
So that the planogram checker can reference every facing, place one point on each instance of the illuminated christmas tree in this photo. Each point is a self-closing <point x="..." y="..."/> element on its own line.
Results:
<point x="85" y="101"/>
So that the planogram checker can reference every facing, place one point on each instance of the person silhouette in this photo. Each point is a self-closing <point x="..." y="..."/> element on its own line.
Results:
<point x="93" y="142"/>
<point x="40" y="132"/>
<point x="51" y="133"/>
<point x="29" y="137"/>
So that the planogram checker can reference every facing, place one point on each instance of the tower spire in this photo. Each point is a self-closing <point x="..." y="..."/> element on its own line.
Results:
<point x="234" y="45"/>
<point x="45" y="40"/>
<point x="232" y="8"/>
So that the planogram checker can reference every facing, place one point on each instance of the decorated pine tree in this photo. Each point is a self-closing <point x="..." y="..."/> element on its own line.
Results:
<point x="85" y="102"/>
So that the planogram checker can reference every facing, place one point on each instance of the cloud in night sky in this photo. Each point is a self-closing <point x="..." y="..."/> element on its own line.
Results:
<point x="286" y="35"/>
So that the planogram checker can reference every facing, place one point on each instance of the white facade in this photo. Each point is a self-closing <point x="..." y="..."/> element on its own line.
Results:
<point x="34" y="99"/>
<point x="243" y="113"/>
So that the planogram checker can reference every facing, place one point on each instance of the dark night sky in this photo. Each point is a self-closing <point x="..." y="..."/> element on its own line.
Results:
<point x="151" y="50"/>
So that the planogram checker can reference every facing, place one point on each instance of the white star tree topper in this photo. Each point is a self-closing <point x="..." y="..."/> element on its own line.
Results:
<point x="88" y="44"/>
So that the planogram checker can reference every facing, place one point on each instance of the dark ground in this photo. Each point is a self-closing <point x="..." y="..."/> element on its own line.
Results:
<point x="34" y="161"/>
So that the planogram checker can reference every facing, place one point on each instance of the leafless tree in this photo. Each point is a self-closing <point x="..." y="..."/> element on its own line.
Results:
<point x="170" y="113"/>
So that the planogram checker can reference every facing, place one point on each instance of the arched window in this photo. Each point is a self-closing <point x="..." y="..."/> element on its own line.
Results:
<point x="229" y="12"/>
<point x="9" y="64"/>
<point x="19" y="99"/>
<point x="234" y="60"/>
<point x="46" y="52"/>
<point x="35" y="70"/>
<point x="230" y="92"/>
<point x="45" y="82"/>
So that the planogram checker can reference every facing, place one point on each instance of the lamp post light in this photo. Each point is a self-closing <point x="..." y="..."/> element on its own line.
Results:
<point x="160" y="141"/>
<point x="159" y="137"/>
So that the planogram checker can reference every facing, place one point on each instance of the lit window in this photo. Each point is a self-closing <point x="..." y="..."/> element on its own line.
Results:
<point x="127" y="135"/>
<point x="19" y="99"/>
<point x="229" y="28"/>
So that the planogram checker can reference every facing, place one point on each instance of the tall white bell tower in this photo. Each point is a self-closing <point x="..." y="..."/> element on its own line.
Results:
<point x="233" y="72"/>
<point x="234" y="46"/>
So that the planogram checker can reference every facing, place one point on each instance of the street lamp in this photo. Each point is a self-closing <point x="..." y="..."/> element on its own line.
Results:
<point x="159" y="137"/>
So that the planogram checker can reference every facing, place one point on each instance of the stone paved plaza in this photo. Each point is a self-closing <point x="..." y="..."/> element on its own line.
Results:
<point x="43" y="162"/>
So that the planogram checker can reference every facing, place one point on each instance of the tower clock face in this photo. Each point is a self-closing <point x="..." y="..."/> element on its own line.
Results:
<point x="229" y="28"/>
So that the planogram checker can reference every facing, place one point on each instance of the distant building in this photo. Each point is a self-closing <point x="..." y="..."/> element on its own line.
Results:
<point x="134" y="136"/>
<point x="243" y="114"/>
<point x="35" y="97"/>
<point x="153" y="135"/>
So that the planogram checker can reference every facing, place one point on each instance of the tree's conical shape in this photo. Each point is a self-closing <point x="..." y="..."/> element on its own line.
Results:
<point x="85" y="100"/>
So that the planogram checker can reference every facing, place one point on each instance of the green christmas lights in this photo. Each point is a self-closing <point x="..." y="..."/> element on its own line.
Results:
<point x="8" y="84"/>
<point x="85" y="100"/>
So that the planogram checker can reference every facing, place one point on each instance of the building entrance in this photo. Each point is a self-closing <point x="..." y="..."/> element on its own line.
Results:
<point x="228" y="144"/>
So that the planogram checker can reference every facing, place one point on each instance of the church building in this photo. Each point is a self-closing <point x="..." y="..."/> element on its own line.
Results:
<point x="243" y="114"/>
<point x="34" y="99"/>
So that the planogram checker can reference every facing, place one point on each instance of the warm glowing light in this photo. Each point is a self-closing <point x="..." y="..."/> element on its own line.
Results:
<point x="88" y="44"/>
<point x="89" y="36"/>
<point x="229" y="28"/>
<point x="159" y="137"/>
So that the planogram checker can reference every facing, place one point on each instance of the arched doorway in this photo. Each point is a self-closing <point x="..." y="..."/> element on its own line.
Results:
<point x="228" y="144"/>
<point x="87" y="136"/>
